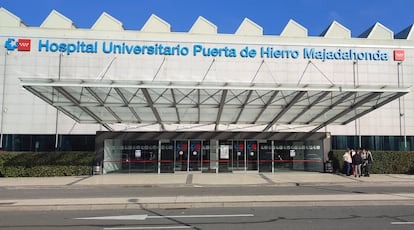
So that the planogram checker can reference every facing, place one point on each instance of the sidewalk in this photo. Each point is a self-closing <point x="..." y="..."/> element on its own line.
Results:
<point x="200" y="180"/>
<point x="206" y="179"/>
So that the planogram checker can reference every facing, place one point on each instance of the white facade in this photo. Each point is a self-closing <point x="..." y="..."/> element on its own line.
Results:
<point x="59" y="50"/>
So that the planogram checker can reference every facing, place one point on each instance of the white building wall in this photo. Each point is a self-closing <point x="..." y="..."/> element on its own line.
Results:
<point x="23" y="113"/>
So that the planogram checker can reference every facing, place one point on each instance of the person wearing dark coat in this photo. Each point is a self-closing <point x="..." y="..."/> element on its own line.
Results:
<point x="357" y="162"/>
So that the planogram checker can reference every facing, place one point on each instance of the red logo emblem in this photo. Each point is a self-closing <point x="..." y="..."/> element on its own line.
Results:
<point x="399" y="55"/>
<point x="23" y="45"/>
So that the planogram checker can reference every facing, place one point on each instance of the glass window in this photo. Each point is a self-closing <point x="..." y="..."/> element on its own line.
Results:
<point x="32" y="143"/>
<point x="77" y="142"/>
<point x="378" y="143"/>
<point x="46" y="143"/>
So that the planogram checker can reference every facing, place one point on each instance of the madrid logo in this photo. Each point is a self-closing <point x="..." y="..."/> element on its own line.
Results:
<point x="399" y="55"/>
<point x="21" y="44"/>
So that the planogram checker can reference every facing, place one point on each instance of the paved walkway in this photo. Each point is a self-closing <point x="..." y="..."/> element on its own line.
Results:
<point x="206" y="179"/>
<point x="230" y="179"/>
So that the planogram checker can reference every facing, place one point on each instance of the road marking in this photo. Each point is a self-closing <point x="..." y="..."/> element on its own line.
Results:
<point x="144" y="217"/>
<point x="129" y="217"/>
<point x="402" y="223"/>
<point x="202" y="216"/>
<point x="155" y="227"/>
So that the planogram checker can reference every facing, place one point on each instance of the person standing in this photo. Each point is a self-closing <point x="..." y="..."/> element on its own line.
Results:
<point x="357" y="162"/>
<point x="347" y="161"/>
<point x="353" y="152"/>
<point x="364" y="161"/>
<point x="369" y="161"/>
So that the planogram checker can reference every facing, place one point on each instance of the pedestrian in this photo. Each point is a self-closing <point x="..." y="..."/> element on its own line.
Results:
<point x="347" y="161"/>
<point x="353" y="152"/>
<point x="369" y="161"/>
<point x="357" y="162"/>
<point x="364" y="161"/>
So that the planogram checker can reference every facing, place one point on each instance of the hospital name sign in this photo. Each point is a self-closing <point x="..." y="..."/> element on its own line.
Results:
<point x="201" y="50"/>
<point x="264" y="52"/>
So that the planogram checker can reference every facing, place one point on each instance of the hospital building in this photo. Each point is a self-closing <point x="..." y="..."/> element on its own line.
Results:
<point x="159" y="101"/>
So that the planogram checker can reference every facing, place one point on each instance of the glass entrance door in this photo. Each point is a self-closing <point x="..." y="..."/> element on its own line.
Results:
<point x="181" y="156"/>
<point x="244" y="155"/>
<point x="195" y="156"/>
<point x="188" y="155"/>
<point x="238" y="156"/>
<point x="252" y="155"/>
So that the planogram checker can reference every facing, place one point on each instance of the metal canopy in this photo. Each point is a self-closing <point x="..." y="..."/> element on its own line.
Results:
<point x="148" y="102"/>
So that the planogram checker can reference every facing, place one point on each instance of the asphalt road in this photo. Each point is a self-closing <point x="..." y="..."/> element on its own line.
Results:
<point x="295" y="218"/>
<point x="336" y="215"/>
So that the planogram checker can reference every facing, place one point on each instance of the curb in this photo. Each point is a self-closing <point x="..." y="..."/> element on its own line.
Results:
<point x="169" y="202"/>
<point x="250" y="204"/>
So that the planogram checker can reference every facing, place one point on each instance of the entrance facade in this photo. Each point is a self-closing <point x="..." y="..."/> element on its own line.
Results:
<point x="170" y="152"/>
<point x="238" y="155"/>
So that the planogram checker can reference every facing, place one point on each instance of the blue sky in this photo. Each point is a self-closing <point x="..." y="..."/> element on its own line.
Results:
<point x="272" y="15"/>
